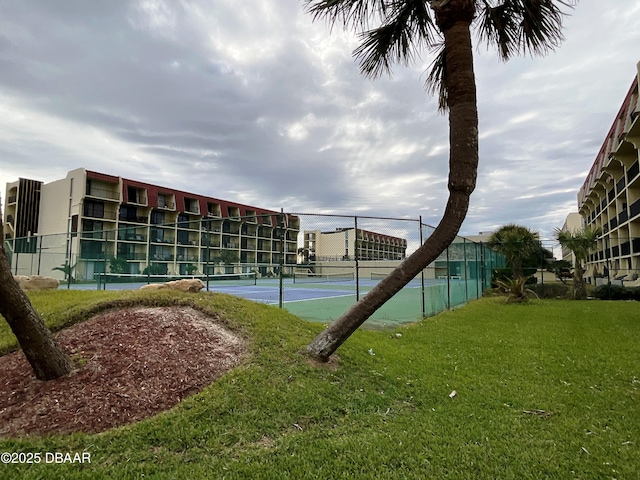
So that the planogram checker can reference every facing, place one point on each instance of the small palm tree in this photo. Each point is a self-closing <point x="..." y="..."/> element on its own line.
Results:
<point x="517" y="244"/>
<point x="580" y="242"/>
<point x="405" y="28"/>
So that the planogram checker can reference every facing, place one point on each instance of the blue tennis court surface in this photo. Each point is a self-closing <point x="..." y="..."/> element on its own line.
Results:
<point x="268" y="290"/>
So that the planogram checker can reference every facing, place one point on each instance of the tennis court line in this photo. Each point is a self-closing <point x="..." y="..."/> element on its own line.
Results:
<point x="318" y="298"/>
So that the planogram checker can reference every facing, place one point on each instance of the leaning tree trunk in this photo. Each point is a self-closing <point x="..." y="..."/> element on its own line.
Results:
<point x="463" y="165"/>
<point x="47" y="360"/>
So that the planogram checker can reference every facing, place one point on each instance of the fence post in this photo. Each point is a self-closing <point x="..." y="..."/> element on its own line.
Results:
<point x="206" y="265"/>
<point x="424" y="307"/>
<point x="478" y="269"/>
<point x="448" y="276"/>
<point x="464" y="259"/>
<point x="355" y="251"/>
<point x="281" y="280"/>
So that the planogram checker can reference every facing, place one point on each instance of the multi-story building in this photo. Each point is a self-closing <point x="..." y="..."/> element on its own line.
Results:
<point x="101" y="217"/>
<point x="610" y="196"/>
<point x="342" y="244"/>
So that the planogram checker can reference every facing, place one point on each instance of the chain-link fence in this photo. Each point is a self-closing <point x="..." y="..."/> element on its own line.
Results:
<point x="315" y="266"/>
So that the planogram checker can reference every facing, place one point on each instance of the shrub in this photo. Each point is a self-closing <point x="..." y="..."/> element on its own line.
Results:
<point x="616" y="292"/>
<point x="552" y="290"/>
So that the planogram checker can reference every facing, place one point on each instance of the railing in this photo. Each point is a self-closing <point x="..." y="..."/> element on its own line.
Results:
<point x="623" y="217"/>
<point x="633" y="171"/>
<point x="103" y="215"/>
<point x="103" y="193"/>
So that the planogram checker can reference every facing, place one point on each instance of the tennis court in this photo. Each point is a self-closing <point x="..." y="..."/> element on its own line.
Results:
<point x="314" y="297"/>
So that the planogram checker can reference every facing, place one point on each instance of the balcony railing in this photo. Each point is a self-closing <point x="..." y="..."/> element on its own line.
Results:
<point x="100" y="215"/>
<point x="633" y="171"/>
<point x="132" y="237"/>
<point x="103" y="193"/>
<point x="97" y="235"/>
<point x="625" y="248"/>
<point x="138" y="200"/>
<point x="623" y="217"/>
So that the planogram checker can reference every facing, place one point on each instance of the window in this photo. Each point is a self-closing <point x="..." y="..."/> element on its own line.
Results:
<point x="93" y="209"/>
<point x="157" y="218"/>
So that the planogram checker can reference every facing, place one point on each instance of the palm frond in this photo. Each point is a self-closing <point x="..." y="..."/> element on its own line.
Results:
<point x="498" y="25"/>
<point x="355" y="13"/>
<point x="436" y="83"/>
<point x="407" y="25"/>
<point x="523" y="26"/>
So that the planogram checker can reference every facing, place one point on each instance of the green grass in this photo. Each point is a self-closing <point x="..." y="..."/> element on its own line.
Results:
<point x="386" y="414"/>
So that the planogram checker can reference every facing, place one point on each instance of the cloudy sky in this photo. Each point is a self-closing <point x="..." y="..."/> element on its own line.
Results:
<point x="250" y="101"/>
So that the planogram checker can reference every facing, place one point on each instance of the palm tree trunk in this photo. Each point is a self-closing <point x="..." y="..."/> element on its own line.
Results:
<point x="579" y="287"/>
<point x="463" y="165"/>
<point x="46" y="358"/>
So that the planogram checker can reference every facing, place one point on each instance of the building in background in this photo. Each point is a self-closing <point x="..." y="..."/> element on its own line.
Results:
<point x="572" y="223"/>
<point x="345" y="244"/>
<point x="610" y="197"/>
<point x="98" y="217"/>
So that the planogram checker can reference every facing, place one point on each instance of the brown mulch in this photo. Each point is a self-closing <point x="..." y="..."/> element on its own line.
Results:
<point x="130" y="364"/>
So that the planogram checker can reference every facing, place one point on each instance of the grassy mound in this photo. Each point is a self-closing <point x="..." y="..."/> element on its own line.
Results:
<point x="550" y="389"/>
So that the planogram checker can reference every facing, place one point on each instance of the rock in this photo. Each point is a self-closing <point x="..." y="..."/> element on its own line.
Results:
<point x="37" y="282"/>
<point x="191" y="286"/>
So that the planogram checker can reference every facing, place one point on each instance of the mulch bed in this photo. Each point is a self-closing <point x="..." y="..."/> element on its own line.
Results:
<point x="131" y="364"/>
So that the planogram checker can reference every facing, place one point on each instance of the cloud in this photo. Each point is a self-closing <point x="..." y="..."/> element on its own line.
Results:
<point x="253" y="102"/>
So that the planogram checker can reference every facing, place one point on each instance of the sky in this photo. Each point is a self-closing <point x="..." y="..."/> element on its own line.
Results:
<point x="253" y="102"/>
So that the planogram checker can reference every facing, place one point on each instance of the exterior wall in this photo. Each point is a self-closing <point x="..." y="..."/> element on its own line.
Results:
<point x="610" y="196"/>
<point x="572" y="223"/>
<point x="98" y="217"/>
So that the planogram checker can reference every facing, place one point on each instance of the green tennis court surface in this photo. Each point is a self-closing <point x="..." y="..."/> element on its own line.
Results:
<point x="319" y="298"/>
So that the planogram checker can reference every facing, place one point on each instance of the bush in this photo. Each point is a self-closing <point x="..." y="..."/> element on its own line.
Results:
<point x="616" y="292"/>
<point x="552" y="290"/>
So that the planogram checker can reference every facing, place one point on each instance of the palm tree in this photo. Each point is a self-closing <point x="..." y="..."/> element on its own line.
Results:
<point x="580" y="242"/>
<point x="517" y="244"/>
<point x="46" y="358"/>
<point x="406" y="27"/>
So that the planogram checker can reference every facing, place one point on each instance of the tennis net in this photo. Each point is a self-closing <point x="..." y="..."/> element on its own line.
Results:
<point x="249" y="278"/>
<point x="322" y="277"/>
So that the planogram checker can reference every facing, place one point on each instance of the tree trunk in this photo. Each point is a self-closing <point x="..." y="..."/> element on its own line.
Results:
<point x="463" y="165"/>
<point x="43" y="353"/>
<point x="579" y="287"/>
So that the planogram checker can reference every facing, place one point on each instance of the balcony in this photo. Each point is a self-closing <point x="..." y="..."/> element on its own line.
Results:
<point x="103" y="193"/>
<point x="97" y="235"/>
<point x="633" y="171"/>
<point x="132" y="237"/>
<point x="623" y="217"/>
<point x="625" y="248"/>
<point x="635" y="208"/>
<point x="100" y="215"/>
<point x="620" y="185"/>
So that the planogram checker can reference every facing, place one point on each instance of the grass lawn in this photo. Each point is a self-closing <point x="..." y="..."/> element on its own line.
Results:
<point x="545" y="390"/>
